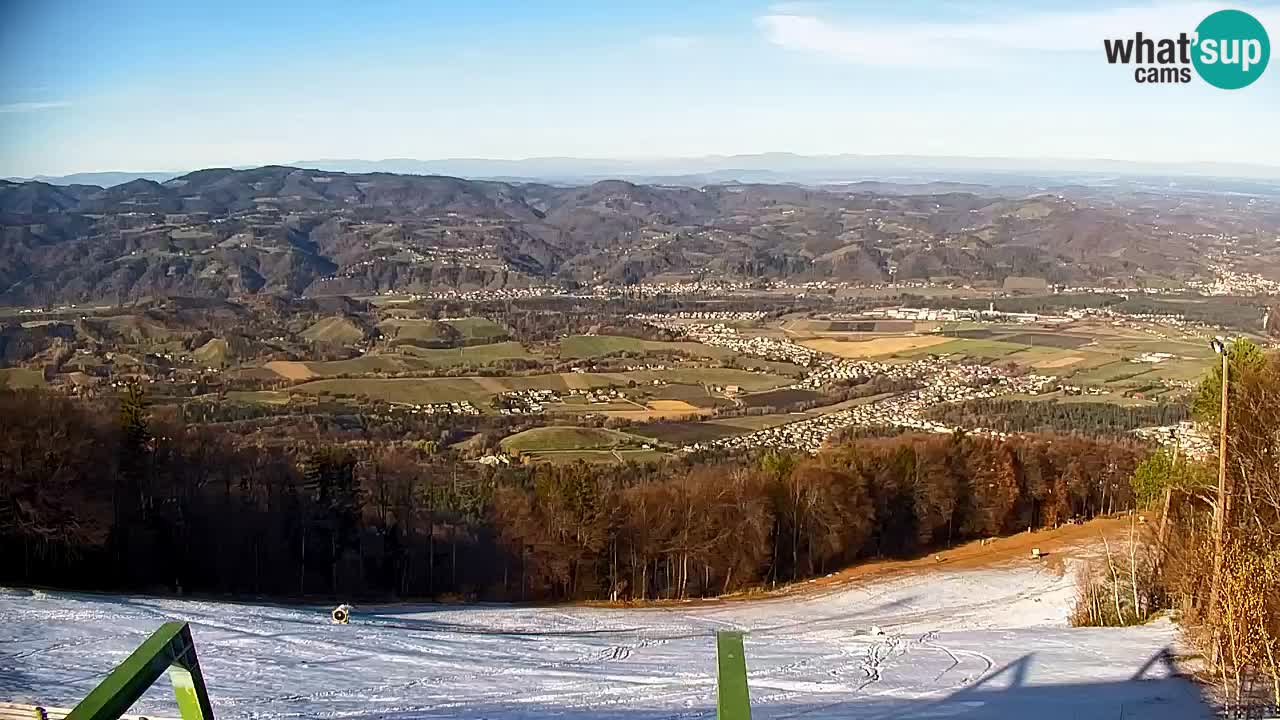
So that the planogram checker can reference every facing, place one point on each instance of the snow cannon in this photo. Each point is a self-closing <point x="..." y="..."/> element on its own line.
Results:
<point x="341" y="615"/>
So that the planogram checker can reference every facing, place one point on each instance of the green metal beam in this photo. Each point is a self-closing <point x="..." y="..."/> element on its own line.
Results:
<point x="733" y="701"/>
<point x="169" y="649"/>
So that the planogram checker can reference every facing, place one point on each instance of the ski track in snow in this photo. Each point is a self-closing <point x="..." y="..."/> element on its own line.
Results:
<point x="948" y="644"/>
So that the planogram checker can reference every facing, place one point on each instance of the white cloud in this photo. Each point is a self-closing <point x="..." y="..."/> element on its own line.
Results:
<point x="23" y="107"/>
<point x="886" y="43"/>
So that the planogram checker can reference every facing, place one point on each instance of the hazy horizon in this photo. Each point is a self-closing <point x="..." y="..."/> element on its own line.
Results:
<point x="145" y="84"/>
<point x="786" y="165"/>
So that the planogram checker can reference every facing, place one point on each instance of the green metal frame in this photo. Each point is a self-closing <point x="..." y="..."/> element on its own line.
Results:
<point x="169" y="649"/>
<point x="733" y="702"/>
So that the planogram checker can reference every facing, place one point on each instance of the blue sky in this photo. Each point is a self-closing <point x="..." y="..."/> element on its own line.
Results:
<point x="143" y="85"/>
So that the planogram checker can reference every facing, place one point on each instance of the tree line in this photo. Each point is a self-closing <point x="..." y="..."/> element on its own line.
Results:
<point x="96" y="495"/>
<point x="1089" y="418"/>
<point x="1215" y="557"/>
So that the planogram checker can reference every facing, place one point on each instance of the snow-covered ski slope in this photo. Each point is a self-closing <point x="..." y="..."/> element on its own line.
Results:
<point x="989" y="643"/>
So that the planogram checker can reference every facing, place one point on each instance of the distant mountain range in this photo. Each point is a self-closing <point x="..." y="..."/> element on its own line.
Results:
<point x="101" y="179"/>
<point x="790" y="168"/>
<point x="224" y="232"/>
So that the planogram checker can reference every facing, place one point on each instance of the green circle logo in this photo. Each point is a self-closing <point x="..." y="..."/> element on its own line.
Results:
<point x="1232" y="49"/>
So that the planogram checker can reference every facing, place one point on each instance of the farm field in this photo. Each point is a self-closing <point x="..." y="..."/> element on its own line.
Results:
<point x="858" y="349"/>
<point x="975" y="349"/>
<point x="593" y="346"/>
<point x="334" y="330"/>
<point x="290" y="369"/>
<point x="684" y="433"/>
<point x="780" y="398"/>
<point x="408" y="358"/>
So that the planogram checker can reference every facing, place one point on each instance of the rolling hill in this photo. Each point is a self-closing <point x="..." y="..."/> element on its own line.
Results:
<point x="291" y="232"/>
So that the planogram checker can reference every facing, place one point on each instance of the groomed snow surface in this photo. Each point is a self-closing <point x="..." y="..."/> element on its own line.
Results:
<point x="937" y="643"/>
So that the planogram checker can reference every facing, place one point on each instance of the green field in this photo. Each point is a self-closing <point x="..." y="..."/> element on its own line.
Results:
<point x="564" y="437"/>
<point x="591" y="346"/>
<point x="468" y="355"/>
<point x="409" y="358"/>
<point x="1094" y="356"/>
<point x="478" y="329"/>
<point x="430" y="332"/>
<point x="1108" y="373"/>
<point x="683" y="433"/>
<point x="21" y="378"/>
<point x="695" y="395"/>
<point x="335" y="330"/>
<point x="978" y="349"/>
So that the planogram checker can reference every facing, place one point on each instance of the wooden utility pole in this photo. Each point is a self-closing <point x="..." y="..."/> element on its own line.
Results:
<point x="1220" y="509"/>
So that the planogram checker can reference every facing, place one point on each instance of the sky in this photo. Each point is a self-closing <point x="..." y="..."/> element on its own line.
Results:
<point x="147" y="85"/>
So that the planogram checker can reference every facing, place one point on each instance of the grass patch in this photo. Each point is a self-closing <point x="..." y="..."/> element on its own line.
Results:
<point x="684" y="433"/>
<point x="1048" y="340"/>
<point x="875" y="347"/>
<point x="1108" y="373"/>
<point x="478" y="329"/>
<point x="564" y="437"/>
<point x="410" y="358"/>
<point x="430" y="333"/>
<point x="467" y="355"/>
<point x="19" y="378"/>
<point x="591" y="346"/>
<point x="334" y="330"/>
<point x="978" y="349"/>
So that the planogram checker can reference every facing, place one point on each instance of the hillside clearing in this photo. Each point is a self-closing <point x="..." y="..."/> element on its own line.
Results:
<point x="290" y="369"/>
<point x="334" y="330"/>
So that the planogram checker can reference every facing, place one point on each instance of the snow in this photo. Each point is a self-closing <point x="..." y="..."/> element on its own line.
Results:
<point x="990" y="643"/>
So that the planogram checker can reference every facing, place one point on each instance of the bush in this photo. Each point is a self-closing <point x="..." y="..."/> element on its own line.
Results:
<point x="1119" y="591"/>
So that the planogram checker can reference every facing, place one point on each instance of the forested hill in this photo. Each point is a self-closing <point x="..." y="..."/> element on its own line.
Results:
<point x="104" y="496"/>
<point x="223" y="232"/>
